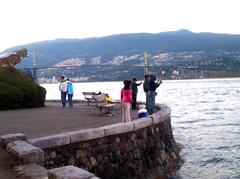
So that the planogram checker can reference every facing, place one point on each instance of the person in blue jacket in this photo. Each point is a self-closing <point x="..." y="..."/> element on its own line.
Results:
<point x="70" y="93"/>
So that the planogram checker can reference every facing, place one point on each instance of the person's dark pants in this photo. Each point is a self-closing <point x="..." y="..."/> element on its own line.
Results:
<point x="63" y="98"/>
<point x="134" y="100"/>
<point x="70" y="102"/>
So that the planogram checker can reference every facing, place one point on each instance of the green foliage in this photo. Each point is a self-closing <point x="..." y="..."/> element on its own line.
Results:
<point x="19" y="91"/>
<point x="10" y="96"/>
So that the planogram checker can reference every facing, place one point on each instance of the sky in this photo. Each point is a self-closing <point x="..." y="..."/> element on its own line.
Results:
<point x="26" y="21"/>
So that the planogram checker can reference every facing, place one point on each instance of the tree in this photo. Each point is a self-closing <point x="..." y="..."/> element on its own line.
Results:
<point x="13" y="58"/>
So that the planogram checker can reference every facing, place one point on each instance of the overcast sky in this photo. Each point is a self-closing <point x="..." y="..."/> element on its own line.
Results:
<point x="25" y="21"/>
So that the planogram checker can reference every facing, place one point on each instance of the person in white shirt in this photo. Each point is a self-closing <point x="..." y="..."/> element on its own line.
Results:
<point x="63" y="89"/>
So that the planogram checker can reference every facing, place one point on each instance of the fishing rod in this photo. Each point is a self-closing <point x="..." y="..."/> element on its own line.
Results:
<point x="159" y="81"/>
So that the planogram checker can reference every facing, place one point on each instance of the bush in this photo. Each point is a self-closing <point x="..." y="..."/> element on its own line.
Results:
<point x="11" y="97"/>
<point x="40" y="97"/>
<point x="19" y="91"/>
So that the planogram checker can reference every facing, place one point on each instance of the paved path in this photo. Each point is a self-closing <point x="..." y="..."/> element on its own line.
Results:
<point x="49" y="120"/>
<point x="54" y="119"/>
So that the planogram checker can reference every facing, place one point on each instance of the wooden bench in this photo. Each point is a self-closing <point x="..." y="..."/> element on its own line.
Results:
<point x="89" y="96"/>
<point x="102" y="104"/>
<point x="99" y="98"/>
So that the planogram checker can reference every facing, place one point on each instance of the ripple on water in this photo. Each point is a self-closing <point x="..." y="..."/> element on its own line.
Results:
<point x="220" y="125"/>
<point x="215" y="112"/>
<point x="228" y="109"/>
<point x="220" y="148"/>
<point x="201" y="120"/>
<point x="212" y="161"/>
<point x="190" y="121"/>
<point x="227" y="147"/>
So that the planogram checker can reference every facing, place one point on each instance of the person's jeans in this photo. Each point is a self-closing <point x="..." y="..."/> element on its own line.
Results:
<point x="134" y="100"/>
<point x="70" y="102"/>
<point x="63" y="98"/>
<point x="151" y="102"/>
<point x="146" y="93"/>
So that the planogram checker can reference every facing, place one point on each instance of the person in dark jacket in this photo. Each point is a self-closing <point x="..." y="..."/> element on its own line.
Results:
<point x="146" y="87"/>
<point x="152" y="93"/>
<point x="134" y="93"/>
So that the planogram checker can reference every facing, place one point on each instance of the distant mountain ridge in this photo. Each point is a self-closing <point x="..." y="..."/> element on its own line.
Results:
<point x="52" y="52"/>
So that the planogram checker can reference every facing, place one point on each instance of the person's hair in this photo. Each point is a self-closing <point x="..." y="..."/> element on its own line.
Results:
<point x="153" y="77"/>
<point x="127" y="84"/>
<point x="146" y="76"/>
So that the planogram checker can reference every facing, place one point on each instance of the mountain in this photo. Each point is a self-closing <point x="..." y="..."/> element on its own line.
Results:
<point x="105" y="49"/>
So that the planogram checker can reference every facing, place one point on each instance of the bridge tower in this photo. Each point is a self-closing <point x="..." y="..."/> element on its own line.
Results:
<point x="34" y="67"/>
<point x="145" y="63"/>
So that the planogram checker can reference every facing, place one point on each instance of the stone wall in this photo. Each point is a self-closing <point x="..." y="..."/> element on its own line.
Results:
<point x="143" y="148"/>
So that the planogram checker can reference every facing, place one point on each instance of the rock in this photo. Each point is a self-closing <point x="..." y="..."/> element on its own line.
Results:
<point x="69" y="172"/>
<point x="26" y="153"/>
<point x="5" y="139"/>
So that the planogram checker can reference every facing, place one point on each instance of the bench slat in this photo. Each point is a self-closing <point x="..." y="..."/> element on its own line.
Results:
<point x="89" y="96"/>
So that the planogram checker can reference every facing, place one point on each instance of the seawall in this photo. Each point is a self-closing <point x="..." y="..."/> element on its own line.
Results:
<point x="143" y="148"/>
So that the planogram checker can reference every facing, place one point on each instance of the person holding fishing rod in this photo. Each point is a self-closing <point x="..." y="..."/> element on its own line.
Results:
<point x="153" y="85"/>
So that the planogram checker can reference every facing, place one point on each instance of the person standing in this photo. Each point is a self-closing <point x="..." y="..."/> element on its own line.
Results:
<point x="70" y="93"/>
<point x="126" y="100"/>
<point x="152" y="93"/>
<point x="134" y="93"/>
<point x="146" y="87"/>
<point x="63" y="89"/>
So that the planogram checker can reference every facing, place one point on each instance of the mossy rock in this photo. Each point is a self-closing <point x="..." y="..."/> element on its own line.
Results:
<point x="19" y="91"/>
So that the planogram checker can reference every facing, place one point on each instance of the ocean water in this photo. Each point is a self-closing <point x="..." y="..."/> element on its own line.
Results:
<point x="205" y="120"/>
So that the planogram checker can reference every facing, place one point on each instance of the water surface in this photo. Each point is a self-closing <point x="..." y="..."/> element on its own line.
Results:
<point x="205" y="120"/>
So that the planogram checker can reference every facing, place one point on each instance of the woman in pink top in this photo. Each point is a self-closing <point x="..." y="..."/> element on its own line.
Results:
<point x="126" y="101"/>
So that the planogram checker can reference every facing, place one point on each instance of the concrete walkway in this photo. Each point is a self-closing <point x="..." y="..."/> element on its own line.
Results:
<point x="49" y="120"/>
<point x="54" y="119"/>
